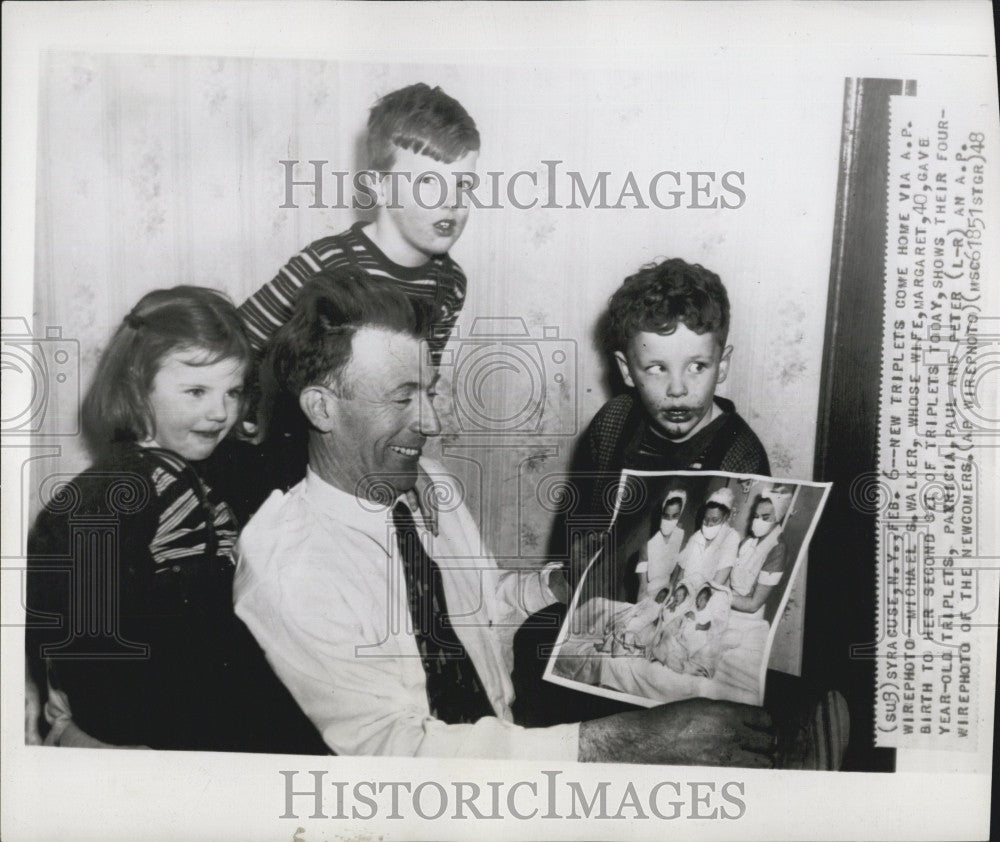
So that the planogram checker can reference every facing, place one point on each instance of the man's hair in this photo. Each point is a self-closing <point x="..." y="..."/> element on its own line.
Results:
<point x="421" y="119"/>
<point x="184" y="318"/>
<point x="314" y="345"/>
<point x="662" y="295"/>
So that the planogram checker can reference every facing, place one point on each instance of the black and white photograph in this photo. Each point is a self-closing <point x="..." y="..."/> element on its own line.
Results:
<point x="684" y="599"/>
<point x="552" y="420"/>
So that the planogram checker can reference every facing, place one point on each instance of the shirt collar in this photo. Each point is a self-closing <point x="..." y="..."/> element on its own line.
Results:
<point x="349" y="509"/>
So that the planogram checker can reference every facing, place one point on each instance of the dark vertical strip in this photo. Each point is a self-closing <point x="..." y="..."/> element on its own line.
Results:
<point x="842" y="566"/>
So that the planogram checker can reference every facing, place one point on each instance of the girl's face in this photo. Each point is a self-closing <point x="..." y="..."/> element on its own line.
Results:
<point x="195" y="405"/>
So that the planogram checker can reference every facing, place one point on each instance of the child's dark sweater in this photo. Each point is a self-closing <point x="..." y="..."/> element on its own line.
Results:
<point x="131" y="563"/>
<point x="620" y="436"/>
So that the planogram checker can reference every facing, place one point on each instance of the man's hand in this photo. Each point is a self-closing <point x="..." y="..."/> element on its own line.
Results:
<point x="695" y="732"/>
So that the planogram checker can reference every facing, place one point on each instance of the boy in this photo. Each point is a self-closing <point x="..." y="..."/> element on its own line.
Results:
<point x="423" y="145"/>
<point x="667" y="327"/>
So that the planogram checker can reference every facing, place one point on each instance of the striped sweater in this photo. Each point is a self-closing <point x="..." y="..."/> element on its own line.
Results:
<point x="439" y="284"/>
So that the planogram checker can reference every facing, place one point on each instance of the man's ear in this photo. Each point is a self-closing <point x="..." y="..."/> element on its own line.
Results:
<point x="622" y="361"/>
<point x="319" y="407"/>
<point x="727" y="354"/>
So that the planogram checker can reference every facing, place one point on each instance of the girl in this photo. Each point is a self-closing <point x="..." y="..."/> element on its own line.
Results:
<point x="130" y="562"/>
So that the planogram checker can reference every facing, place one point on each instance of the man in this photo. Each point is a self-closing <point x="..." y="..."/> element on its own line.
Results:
<point x="332" y="574"/>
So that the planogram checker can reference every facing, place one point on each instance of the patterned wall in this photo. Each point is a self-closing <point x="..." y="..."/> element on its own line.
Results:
<point x="159" y="170"/>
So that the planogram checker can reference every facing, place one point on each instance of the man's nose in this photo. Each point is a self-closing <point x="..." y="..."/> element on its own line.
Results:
<point x="427" y="421"/>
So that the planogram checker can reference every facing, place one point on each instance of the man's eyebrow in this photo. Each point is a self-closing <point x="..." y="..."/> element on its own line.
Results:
<point x="408" y="386"/>
<point x="413" y="386"/>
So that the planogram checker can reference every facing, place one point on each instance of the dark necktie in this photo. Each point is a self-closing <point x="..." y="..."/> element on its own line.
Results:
<point x="454" y="691"/>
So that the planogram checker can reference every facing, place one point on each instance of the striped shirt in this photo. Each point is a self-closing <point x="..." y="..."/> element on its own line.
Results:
<point x="439" y="283"/>
<point x="190" y="525"/>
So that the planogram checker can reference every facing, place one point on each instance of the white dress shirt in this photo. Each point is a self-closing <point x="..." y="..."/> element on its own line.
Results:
<point x="320" y="583"/>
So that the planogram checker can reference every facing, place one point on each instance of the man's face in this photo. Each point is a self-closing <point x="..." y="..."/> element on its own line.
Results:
<point x="381" y="415"/>
<point x="422" y="201"/>
<point x="675" y="375"/>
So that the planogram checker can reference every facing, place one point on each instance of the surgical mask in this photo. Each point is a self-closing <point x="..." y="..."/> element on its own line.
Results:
<point x="711" y="531"/>
<point x="760" y="527"/>
<point x="667" y="527"/>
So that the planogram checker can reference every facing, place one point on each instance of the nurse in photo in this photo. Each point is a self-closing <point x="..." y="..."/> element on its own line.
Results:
<point x="762" y="556"/>
<point x="658" y="557"/>
<point x="714" y="547"/>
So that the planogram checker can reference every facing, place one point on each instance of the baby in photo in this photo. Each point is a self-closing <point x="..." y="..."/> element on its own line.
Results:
<point x="687" y="642"/>
<point x="630" y="632"/>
